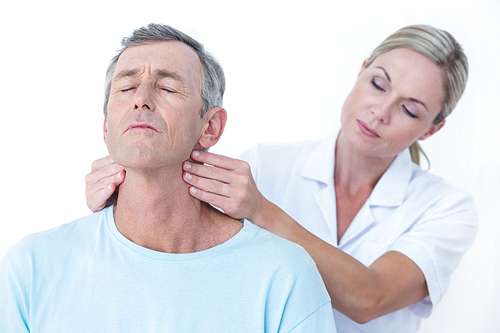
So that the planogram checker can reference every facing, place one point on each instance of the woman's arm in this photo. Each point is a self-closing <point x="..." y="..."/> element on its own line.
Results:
<point x="362" y="293"/>
<point x="391" y="283"/>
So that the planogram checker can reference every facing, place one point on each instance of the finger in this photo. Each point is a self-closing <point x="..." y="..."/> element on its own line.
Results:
<point x="209" y="172"/>
<point x="211" y="198"/>
<point x="104" y="172"/>
<point x="220" y="201"/>
<point x="219" y="161"/>
<point x="102" y="162"/>
<point x="207" y="185"/>
<point x="114" y="180"/>
<point x="104" y="184"/>
<point x="97" y="201"/>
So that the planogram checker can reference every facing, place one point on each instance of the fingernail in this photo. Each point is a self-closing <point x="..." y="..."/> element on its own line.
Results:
<point x="196" y="153"/>
<point x="109" y="187"/>
<point x="187" y="165"/>
<point x="119" y="175"/>
<point x="188" y="176"/>
<point x="193" y="190"/>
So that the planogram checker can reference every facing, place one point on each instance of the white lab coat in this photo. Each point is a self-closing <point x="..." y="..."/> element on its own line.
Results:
<point x="409" y="210"/>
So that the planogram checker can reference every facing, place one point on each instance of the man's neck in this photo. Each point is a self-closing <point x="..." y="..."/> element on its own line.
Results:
<point x="156" y="211"/>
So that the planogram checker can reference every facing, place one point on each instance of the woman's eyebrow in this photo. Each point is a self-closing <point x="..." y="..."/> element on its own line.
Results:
<point x="411" y="98"/>
<point x="385" y="72"/>
<point x="419" y="102"/>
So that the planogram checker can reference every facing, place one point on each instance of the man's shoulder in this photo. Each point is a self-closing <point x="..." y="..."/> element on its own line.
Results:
<point x="291" y="277"/>
<point x="269" y="248"/>
<point x="57" y="239"/>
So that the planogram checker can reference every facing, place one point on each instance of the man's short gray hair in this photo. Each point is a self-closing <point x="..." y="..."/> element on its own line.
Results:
<point x="212" y="83"/>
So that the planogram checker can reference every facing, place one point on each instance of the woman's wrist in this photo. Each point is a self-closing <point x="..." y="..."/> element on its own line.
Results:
<point x="261" y="214"/>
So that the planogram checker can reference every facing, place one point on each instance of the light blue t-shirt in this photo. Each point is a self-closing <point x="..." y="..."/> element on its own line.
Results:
<point x="85" y="276"/>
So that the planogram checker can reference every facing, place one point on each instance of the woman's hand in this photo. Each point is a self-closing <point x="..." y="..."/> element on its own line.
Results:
<point x="226" y="183"/>
<point x="102" y="182"/>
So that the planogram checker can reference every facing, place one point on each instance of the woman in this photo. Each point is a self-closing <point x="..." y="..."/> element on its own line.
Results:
<point x="384" y="234"/>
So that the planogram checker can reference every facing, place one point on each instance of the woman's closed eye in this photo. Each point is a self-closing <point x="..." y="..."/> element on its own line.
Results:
<point x="377" y="85"/>
<point x="409" y="113"/>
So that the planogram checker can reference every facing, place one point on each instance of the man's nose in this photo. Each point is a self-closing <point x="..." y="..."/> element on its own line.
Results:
<point x="144" y="98"/>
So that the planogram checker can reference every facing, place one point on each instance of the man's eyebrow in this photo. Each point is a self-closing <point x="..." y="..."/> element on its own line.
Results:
<point x="127" y="73"/>
<point x="159" y="73"/>
<point x="411" y="98"/>
<point x="168" y="74"/>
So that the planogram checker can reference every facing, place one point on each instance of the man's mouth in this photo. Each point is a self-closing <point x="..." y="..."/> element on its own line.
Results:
<point x="142" y="126"/>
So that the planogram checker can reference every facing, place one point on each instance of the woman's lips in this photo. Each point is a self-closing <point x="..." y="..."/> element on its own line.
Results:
<point x="367" y="130"/>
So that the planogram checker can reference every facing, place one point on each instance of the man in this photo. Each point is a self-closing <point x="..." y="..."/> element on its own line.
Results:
<point x="160" y="260"/>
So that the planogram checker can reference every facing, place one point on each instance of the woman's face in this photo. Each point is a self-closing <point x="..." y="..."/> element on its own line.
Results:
<point x="393" y="103"/>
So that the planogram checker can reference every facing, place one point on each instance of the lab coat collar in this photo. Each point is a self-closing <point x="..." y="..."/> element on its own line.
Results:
<point x="390" y="189"/>
<point x="320" y="163"/>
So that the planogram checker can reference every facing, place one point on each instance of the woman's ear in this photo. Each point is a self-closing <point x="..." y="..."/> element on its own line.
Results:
<point x="363" y="66"/>
<point x="434" y="128"/>
<point x="215" y="121"/>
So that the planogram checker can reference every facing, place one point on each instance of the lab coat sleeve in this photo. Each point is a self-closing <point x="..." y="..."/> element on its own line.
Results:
<point x="252" y="157"/>
<point x="437" y="242"/>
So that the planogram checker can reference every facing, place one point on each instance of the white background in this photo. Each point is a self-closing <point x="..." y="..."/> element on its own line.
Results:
<point x="289" y="67"/>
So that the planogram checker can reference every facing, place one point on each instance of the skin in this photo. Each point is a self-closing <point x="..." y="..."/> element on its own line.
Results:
<point x="152" y="126"/>
<point x="133" y="133"/>
<point x="393" y="103"/>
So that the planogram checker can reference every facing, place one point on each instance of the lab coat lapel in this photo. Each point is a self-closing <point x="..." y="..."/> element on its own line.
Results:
<point x="387" y="195"/>
<point x="319" y="167"/>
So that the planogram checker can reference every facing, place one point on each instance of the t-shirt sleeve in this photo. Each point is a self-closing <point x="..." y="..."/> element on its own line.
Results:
<point x="307" y="307"/>
<point x="437" y="244"/>
<point x="319" y="321"/>
<point x="13" y="306"/>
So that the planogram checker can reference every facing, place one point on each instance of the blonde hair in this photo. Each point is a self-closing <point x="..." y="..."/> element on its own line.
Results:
<point x="440" y="47"/>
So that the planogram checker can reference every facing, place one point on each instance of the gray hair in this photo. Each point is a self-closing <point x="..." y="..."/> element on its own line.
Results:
<point x="212" y="85"/>
<point x="440" y="47"/>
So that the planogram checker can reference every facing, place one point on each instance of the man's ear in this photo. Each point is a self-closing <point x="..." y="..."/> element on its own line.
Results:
<point x="105" y="129"/>
<point x="432" y="130"/>
<point x="215" y="121"/>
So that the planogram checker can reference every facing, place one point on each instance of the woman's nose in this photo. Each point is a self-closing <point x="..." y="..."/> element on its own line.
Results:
<point x="382" y="110"/>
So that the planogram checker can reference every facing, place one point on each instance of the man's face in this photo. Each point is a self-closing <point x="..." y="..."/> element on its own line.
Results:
<point x="154" y="106"/>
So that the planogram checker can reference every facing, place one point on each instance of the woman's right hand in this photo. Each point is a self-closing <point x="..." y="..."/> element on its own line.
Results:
<point x="102" y="183"/>
<point x="226" y="183"/>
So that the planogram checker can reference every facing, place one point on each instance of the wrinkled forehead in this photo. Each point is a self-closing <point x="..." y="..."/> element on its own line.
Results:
<point x="162" y="57"/>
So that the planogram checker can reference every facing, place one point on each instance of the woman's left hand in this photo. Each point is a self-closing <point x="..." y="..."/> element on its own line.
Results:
<point x="226" y="183"/>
